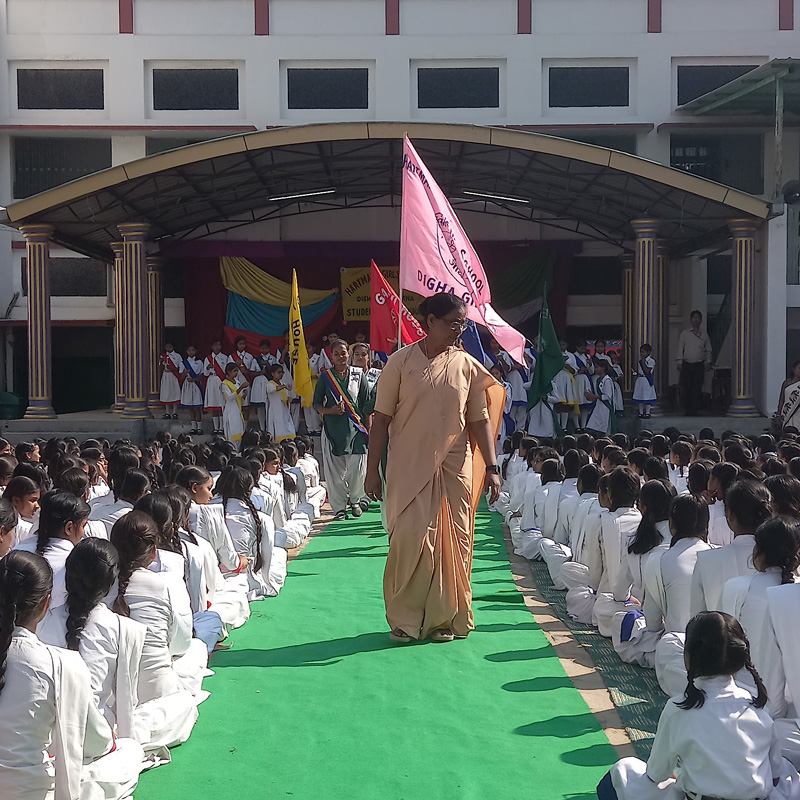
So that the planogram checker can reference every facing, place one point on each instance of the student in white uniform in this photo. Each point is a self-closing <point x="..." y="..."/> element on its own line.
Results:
<point x="8" y="524"/>
<point x="171" y="369"/>
<point x="47" y="705"/>
<point x="135" y="485"/>
<point x="279" y="398"/>
<point x="717" y="740"/>
<point x="722" y="477"/>
<point x="214" y="370"/>
<point x="748" y="505"/>
<point x="23" y="494"/>
<point x="233" y="393"/>
<point x="543" y="502"/>
<point x="680" y="457"/>
<point x="583" y="382"/>
<point x="246" y="365"/>
<point x="313" y="495"/>
<point x="602" y="416"/>
<point x="62" y="519"/>
<point x="192" y="389"/>
<point x="261" y="374"/>
<point x="644" y="390"/>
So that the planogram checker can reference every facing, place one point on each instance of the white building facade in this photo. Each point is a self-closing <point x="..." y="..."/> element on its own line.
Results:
<point x="90" y="84"/>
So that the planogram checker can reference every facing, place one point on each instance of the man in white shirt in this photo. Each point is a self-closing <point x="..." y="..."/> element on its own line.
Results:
<point x="694" y="360"/>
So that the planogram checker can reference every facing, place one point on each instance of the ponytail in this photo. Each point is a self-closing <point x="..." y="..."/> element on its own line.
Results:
<point x="236" y="483"/>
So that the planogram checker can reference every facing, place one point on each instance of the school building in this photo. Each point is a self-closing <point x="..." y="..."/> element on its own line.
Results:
<point x="637" y="156"/>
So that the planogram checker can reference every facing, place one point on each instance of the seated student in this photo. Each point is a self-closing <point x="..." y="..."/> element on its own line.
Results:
<point x="76" y="481"/>
<point x="7" y="466"/>
<point x="531" y="483"/>
<point x="747" y="505"/>
<point x="134" y="486"/>
<point x="616" y="528"/>
<point x="313" y="495"/>
<point x="110" y="645"/>
<point x="510" y="501"/>
<point x="23" y="494"/>
<point x="47" y="705"/>
<point x="612" y="457"/>
<point x="62" y="520"/>
<point x="776" y="558"/>
<point x="8" y="525"/>
<point x="120" y="461"/>
<point x="717" y="740"/>
<point x="679" y="458"/>
<point x="585" y="549"/>
<point x="173" y="556"/>
<point x="655" y="469"/>
<point x="276" y="482"/>
<point x="785" y="491"/>
<point x="158" y="602"/>
<point x="636" y="459"/>
<point x="697" y="480"/>
<point x="558" y="551"/>
<point x="544" y="501"/>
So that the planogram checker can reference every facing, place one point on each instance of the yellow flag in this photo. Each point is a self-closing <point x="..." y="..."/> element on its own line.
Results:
<point x="301" y="370"/>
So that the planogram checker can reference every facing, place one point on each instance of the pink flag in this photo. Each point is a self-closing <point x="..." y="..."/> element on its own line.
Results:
<point x="436" y="255"/>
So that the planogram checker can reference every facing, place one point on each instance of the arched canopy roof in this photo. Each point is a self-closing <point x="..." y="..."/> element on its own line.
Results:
<point x="225" y="183"/>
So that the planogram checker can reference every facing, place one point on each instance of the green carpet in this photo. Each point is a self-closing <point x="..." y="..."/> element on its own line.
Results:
<point x="314" y="701"/>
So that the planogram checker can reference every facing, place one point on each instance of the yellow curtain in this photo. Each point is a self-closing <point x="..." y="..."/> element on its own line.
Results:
<point x="245" y="278"/>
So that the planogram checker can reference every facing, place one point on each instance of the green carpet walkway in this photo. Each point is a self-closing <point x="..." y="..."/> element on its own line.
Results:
<point x="314" y="702"/>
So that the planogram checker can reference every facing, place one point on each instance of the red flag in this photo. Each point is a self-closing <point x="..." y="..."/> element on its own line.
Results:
<point x="385" y="308"/>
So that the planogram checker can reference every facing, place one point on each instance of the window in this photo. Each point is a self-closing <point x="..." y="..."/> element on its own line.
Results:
<point x="195" y="89"/>
<point x="600" y="275"/>
<point x="719" y="276"/>
<point x="160" y="144"/>
<point x="342" y="87"/>
<point x="695" y="81"/>
<point x="41" y="164"/>
<point x="458" y="87"/>
<point x="589" y="87"/>
<point x="60" y="88"/>
<point x="73" y="277"/>
<point x="625" y="143"/>
<point x="734" y="160"/>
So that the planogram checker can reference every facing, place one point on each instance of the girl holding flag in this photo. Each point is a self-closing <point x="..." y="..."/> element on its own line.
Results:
<point x="342" y="399"/>
<point x="192" y="389"/>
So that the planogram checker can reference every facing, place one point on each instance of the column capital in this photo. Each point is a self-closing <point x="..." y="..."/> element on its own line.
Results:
<point x="155" y="263"/>
<point x="741" y="228"/>
<point x="134" y="231"/>
<point x="646" y="228"/>
<point x="628" y="260"/>
<point x="37" y="233"/>
<point x="118" y="248"/>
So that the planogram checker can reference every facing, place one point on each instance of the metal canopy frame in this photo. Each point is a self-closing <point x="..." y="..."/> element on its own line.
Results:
<point x="211" y="187"/>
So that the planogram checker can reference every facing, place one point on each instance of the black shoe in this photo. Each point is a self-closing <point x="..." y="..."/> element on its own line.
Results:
<point x="340" y="516"/>
<point x="356" y="510"/>
<point x="174" y="416"/>
<point x="166" y="416"/>
<point x="364" y="503"/>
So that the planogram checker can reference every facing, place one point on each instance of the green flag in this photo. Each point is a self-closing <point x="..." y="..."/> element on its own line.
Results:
<point x="549" y="358"/>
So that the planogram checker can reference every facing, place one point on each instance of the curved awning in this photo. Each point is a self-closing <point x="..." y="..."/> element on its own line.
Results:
<point x="213" y="186"/>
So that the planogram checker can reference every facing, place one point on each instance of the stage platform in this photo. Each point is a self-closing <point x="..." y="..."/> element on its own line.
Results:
<point x="105" y="423"/>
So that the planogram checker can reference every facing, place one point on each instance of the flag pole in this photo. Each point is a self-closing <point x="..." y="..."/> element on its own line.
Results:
<point x="400" y="320"/>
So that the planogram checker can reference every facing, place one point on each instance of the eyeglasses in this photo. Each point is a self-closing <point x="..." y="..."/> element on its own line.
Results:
<point x="456" y="326"/>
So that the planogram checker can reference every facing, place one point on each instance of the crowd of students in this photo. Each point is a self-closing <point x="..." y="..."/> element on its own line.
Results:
<point x="122" y="569"/>
<point x="682" y="551"/>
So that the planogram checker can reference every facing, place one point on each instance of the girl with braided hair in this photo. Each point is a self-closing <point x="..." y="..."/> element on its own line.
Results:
<point x="62" y="520"/>
<point x="47" y="705"/>
<point x="23" y="494"/>
<point x="253" y="534"/>
<point x="717" y="740"/>
<point x="135" y="485"/>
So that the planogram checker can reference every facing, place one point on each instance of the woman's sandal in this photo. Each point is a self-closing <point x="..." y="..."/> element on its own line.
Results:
<point x="400" y="636"/>
<point x="442" y="635"/>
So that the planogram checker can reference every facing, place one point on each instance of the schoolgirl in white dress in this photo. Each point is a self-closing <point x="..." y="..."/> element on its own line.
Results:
<point x="246" y="365"/>
<point x="171" y="369"/>
<point x="583" y="382"/>
<point x="644" y="390"/>
<point x="279" y="397"/>
<point x="262" y="367"/>
<point x="602" y="416"/>
<point x="192" y="389"/>
<point x="233" y="394"/>
<point x="214" y="370"/>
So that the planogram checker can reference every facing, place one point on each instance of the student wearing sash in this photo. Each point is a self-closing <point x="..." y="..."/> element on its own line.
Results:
<point x="261" y="375"/>
<point x="232" y="394"/>
<point x="313" y="422"/>
<point x="192" y="389"/>
<point x="583" y="382"/>
<point x="246" y="365"/>
<point x="279" y="397"/>
<point x="789" y="402"/>
<point x="644" y="390"/>
<point x="602" y="419"/>
<point x="342" y="399"/>
<point x="214" y="370"/>
<point x="171" y="369"/>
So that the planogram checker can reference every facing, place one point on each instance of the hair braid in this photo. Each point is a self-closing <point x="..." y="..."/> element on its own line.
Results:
<point x="8" y="621"/>
<point x="77" y="615"/>
<point x="259" y="562"/>
<point x="761" y="698"/>
<point x="692" y="696"/>
<point x="121" y="606"/>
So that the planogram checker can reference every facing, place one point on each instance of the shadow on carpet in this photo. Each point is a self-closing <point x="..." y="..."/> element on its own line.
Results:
<point x="634" y="690"/>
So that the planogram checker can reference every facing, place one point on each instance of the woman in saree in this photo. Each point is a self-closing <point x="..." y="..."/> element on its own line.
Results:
<point x="440" y="411"/>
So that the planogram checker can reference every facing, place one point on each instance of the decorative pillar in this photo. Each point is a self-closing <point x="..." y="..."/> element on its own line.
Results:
<point x="155" y="316"/>
<point x="119" y="338"/>
<point x="647" y="322"/>
<point x="136" y="352"/>
<point x="627" y="360"/>
<point x="743" y="312"/>
<point x="40" y="365"/>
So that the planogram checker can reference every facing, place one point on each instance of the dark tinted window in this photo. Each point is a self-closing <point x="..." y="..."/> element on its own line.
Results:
<point x="60" y="88"/>
<point x="736" y="160"/>
<point x="583" y="87"/>
<point x="41" y="164"/>
<point x="719" y="279"/>
<point x="328" y="88"/>
<point x="195" y="89"/>
<point x="458" y="87"/>
<point x="595" y="275"/>
<point x="73" y="277"/>
<point x="696" y="81"/>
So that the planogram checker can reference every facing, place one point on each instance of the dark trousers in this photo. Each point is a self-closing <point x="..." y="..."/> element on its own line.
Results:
<point x="692" y="377"/>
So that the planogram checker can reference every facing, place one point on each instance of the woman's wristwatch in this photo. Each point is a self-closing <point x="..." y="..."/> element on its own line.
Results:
<point x="493" y="469"/>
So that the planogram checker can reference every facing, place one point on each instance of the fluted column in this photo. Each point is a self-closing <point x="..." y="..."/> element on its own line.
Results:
<point x="119" y="339"/>
<point x="661" y="348"/>
<point x="40" y="365"/>
<point x="155" y="316"/>
<point x="136" y="352"/>
<point x="647" y="323"/>
<point x="627" y="324"/>
<point x="743" y="312"/>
